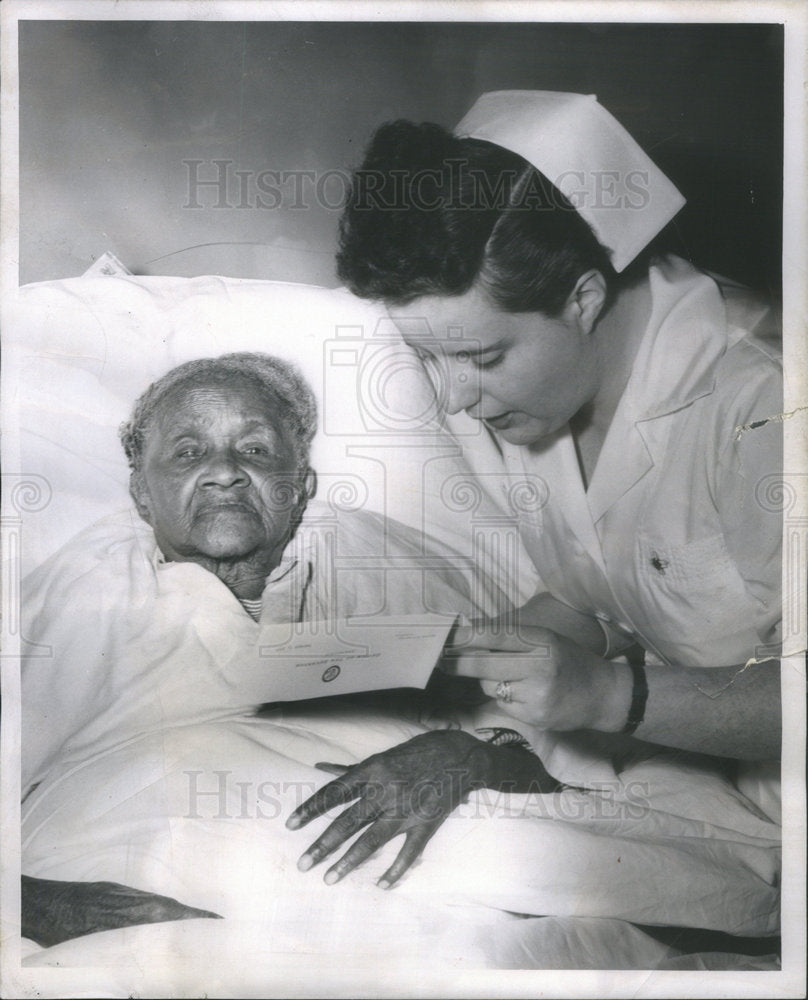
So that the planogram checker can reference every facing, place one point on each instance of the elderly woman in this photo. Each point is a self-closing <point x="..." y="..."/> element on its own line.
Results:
<point x="172" y="606"/>
<point x="219" y="453"/>
<point x="509" y="256"/>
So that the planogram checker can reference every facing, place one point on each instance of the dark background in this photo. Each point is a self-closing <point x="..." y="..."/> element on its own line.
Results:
<point x="110" y="110"/>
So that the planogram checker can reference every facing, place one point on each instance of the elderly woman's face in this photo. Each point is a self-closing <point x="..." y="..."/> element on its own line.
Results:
<point x="217" y="474"/>
<point x="523" y="374"/>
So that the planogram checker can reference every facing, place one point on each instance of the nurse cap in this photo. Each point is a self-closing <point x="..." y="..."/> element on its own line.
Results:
<point x="578" y="146"/>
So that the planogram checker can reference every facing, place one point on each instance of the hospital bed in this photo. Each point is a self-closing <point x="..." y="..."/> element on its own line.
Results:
<point x="614" y="873"/>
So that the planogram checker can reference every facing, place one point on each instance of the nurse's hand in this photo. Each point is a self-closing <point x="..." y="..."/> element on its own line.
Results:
<point x="552" y="682"/>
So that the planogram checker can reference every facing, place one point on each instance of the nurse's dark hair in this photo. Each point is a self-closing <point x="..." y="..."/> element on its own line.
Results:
<point x="280" y="380"/>
<point x="429" y="213"/>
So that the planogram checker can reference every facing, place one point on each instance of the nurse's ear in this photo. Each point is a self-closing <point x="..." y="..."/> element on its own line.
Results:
<point x="586" y="301"/>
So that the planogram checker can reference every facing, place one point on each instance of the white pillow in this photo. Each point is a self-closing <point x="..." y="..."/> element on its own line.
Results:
<point x="81" y="350"/>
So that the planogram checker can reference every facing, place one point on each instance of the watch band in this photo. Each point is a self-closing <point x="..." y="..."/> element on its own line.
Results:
<point x="639" y="696"/>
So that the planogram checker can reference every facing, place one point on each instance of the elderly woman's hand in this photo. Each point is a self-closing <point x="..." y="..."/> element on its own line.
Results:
<point x="55" y="911"/>
<point x="410" y="789"/>
<point x="542" y="678"/>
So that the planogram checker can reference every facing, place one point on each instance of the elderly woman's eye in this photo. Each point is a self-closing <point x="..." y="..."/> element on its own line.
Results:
<point x="255" y="449"/>
<point x="187" y="451"/>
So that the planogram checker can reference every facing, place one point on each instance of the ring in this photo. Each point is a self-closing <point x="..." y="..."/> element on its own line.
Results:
<point x="503" y="692"/>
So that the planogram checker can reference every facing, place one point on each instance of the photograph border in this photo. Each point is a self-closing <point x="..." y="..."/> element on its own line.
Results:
<point x="790" y="982"/>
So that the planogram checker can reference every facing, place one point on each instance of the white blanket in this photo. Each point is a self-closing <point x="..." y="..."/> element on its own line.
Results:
<point x="150" y="777"/>
<point x="124" y="643"/>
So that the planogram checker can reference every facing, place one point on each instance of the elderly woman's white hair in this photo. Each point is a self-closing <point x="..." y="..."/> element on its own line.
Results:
<point x="278" y="378"/>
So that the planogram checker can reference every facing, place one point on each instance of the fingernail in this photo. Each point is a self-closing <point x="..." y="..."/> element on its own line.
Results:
<point x="331" y="877"/>
<point x="305" y="862"/>
<point x="293" y="823"/>
<point x="383" y="883"/>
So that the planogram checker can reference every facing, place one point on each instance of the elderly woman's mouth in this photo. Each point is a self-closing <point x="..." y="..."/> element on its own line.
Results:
<point x="223" y="506"/>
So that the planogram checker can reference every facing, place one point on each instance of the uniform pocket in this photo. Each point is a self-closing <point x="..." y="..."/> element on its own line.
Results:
<point x="694" y="601"/>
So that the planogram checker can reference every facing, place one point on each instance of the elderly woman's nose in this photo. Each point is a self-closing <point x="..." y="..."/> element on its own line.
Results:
<point x="224" y="469"/>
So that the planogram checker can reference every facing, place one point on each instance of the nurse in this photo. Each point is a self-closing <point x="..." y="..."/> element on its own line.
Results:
<point x="514" y="258"/>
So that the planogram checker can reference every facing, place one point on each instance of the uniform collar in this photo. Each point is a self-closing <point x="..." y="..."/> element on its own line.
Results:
<point x="675" y="365"/>
<point x="685" y="338"/>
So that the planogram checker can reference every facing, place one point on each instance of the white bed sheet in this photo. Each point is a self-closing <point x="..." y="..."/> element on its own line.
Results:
<point x="197" y="813"/>
<point x="667" y="841"/>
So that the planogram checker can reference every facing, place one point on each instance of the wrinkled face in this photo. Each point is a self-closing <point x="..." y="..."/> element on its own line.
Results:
<point x="218" y="480"/>
<point x="524" y="374"/>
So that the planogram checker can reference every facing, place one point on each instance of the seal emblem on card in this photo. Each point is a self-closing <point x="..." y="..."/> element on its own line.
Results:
<point x="331" y="673"/>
